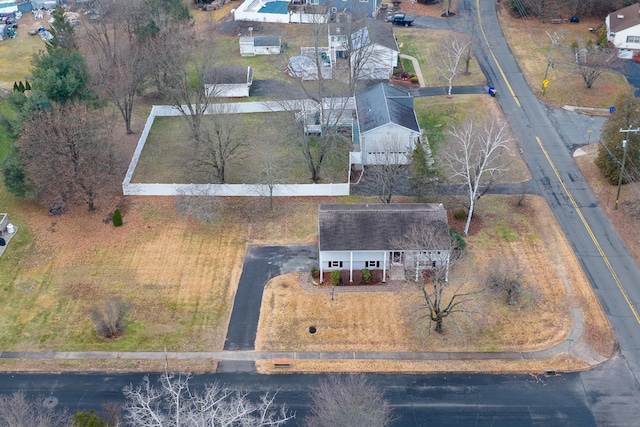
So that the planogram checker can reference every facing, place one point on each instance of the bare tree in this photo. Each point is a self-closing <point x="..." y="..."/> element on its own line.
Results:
<point x="175" y="403"/>
<point x="116" y="56"/>
<point x="196" y="202"/>
<point x="474" y="156"/>
<point x="349" y="400"/>
<point x="509" y="278"/>
<point x="592" y="61"/>
<point x="18" y="411"/>
<point x="332" y="107"/>
<point x="69" y="155"/>
<point x="183" y="64"/>
<point x="274" y="164"/>
<point x="109" y="317"/>
<point x="221" y="139"/>
<point x="450" y="53"/>
<point x="431" y="253"/>
<point x="387" y="171"/>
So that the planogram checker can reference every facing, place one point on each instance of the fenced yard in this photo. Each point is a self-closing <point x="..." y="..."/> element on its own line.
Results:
<point x="163" y="161"/>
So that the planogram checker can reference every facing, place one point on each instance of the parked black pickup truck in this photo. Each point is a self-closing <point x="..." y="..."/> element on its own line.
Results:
<point x="401" y="19"/>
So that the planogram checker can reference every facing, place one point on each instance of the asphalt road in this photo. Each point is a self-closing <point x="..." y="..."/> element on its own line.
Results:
<point x="417" y="400"/>
<point x="607" y="395"/>
<point x="612" y="271"/>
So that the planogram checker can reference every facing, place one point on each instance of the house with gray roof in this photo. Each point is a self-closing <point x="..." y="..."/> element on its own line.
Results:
<point x="228" y="82"/>
<point x="380" y="237"/>
<point x="623" y="30"/>
<point x="387" y="127"/>
<point x="260" y="45"/>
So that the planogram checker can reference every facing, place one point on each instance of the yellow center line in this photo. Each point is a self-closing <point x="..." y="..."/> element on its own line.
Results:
<point x="513" y="94"/>
<point x="593" y="237"/>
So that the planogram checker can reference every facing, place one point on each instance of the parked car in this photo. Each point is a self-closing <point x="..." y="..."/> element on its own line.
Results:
<point x="401" y="19"/>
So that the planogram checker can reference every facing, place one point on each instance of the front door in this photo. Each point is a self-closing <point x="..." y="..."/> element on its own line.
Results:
<point x="397" y="258"/>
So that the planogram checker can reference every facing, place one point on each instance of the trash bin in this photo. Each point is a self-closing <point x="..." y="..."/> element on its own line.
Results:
<point x="10" y="228"/>
<point x="2" y="242"/>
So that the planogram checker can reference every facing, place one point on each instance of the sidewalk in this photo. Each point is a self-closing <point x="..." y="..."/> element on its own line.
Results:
<point x="571" y="345"/>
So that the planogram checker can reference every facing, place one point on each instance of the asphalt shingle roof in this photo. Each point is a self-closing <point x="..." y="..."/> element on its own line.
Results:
<point x="266" y="41"/>
<point x="228" y="75"/>
<point x="376" y="226"/>
<point x="382" y="104"/>
<point x="631" y="18"/>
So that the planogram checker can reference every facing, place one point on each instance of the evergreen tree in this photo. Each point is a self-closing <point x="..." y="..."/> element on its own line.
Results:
<point x="423" y="174"/>
<point x="62" y="32"/>
<point x="610" y="151"/>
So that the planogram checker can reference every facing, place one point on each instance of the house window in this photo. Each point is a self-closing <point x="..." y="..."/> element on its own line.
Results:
<point x="335" y="264"/>
<point x="372" y="264"/>
<point x="313" y="1"/>
<point x="433" y="264"/>
<point x="633" y="39"/>
<point x="364" y="1"/>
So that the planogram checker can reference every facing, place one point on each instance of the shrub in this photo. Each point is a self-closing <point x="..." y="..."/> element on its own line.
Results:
<point x="458" y="241"/>
<point x="335" y="277"/>
<point x="117" y="218"/>
<point x="414" y="80"/>
<point x="108" y="318"/>
<point x="460" y="214"/>
<point x="366" y="275"/>
<point x="314" y="272"/>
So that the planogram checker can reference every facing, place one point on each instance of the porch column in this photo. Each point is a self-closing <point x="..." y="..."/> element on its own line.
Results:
<point x="350" y="266"/>
<point x="385" y="257"/>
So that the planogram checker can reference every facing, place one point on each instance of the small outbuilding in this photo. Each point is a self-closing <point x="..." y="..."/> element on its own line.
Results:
<point x="228" y="82"/>
<point x="260" y="45"/>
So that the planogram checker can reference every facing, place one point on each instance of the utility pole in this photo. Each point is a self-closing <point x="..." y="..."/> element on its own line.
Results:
<point x="625" y="142"/>
<point x="555" y="39"/>
<point x="624" y="158"/>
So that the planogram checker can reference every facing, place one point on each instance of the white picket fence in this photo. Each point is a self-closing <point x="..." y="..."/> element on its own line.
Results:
<point x="242" y="190"/>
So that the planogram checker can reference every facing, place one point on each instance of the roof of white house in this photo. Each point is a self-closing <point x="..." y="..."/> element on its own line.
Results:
<point x="624" y="18"/>
<point x="373" y="32"/>
<point x="378" y="226"/>
<point x="262" y="41"/>
<point x="229" y="75"/>
<point x="382" y="104"/>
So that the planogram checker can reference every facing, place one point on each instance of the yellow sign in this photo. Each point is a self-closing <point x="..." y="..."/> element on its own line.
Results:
<point x="545" y="83"/>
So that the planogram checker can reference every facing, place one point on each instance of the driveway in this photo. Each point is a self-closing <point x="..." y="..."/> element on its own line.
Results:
<point x="261" y="263"/>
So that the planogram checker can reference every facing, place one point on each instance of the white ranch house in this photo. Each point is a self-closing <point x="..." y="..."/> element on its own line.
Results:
<point x="623" y="30"/>
<point x="353" y="237"/>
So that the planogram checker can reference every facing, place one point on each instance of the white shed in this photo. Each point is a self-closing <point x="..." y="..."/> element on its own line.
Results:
<point x="260" y="45"/>
<point x="228" y="82"/>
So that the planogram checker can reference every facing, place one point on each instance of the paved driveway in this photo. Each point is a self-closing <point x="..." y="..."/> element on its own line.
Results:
<point x="261" y="263"/>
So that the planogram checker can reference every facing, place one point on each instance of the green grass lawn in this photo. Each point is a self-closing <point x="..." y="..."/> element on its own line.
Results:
<point x="168" y="149"/>
<point x="423" y="45"/>
<point x="15" y="57"/>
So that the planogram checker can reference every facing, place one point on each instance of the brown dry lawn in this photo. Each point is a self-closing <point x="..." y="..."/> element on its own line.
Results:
<point x="180" y="276"/>
<point x="531" y="45"/>
<point x="390" y="321"/>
